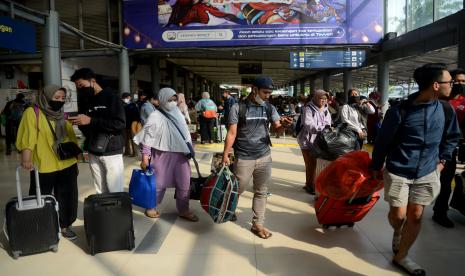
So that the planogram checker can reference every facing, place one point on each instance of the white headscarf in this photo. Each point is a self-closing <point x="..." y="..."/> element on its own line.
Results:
<point x="159" y="131"/>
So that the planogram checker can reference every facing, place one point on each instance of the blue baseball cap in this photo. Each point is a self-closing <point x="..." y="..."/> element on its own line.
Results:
<point x="264" y="82"/>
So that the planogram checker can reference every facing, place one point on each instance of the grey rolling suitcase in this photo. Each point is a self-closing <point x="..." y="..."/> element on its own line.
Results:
<point x="32" y="224"/>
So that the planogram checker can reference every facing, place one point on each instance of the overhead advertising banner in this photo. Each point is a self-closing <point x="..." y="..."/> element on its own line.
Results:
<point x="191" y="23"/>
<point x="17" y="35"/>
<point x="327" y="59"/>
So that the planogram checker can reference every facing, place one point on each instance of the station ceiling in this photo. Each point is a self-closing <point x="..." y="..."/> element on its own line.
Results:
<point x="221" y="65"/>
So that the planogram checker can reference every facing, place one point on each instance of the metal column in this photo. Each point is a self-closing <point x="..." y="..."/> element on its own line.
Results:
<point x="155" y="75"/>
<point x="383" y="82"/>
<point x="347" y="80"/>
<point x="174" y="77"/>
<point x="461" y="46"/>
<point x="51" y="59"/>
<point x="302" y="87"/>
<point x="312" y="85"/>
<point x="326" y="82"/>
<point x="124" y="81"/>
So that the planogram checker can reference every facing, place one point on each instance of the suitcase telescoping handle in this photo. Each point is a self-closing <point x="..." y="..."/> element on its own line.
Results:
<point x="18" y="188"/>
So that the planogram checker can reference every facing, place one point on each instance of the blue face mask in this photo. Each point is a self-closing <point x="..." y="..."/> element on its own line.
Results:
<point x="259" y="100"/>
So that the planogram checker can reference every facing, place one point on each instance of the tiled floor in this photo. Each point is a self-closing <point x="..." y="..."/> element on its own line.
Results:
<point x="299" y="246"/>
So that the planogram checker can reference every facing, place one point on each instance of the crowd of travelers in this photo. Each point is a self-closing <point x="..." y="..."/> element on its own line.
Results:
<point x="415" y="142"/>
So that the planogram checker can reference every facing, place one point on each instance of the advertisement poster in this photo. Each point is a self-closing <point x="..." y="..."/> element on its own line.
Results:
<point x="197" y="23"/>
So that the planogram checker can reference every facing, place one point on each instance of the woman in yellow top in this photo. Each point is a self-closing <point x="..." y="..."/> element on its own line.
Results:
<point x="37" y="145"/>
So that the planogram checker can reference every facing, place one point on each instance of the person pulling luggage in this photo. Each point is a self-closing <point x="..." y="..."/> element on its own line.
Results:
<point x="249" y="133"/>
<point x="40" y="132"/>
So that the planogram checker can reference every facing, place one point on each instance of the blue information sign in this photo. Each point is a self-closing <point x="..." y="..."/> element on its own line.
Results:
<point x="17" y="35"/>
<point x="327" y="59"/>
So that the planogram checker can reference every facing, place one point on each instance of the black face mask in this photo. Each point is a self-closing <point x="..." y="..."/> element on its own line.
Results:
<point x="458" y="88"/>
<point x="83" y="96"/>
<point x="56" y="105"/>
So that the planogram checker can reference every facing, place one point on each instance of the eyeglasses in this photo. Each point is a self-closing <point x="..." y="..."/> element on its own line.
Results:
<point x="451" y="82"/>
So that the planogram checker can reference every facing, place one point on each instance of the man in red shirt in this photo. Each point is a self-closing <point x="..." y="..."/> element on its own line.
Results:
<point x="457" y="100"/>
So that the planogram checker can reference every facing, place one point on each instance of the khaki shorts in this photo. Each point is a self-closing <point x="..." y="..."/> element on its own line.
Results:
<point x="399" y="191"/>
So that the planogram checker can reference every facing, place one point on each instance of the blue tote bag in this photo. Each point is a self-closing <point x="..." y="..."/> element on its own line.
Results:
<point x="142" y="188"/>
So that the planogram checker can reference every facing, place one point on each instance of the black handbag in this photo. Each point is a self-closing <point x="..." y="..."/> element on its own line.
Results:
<point x="99" y="142"/>
<point x="65" y="150"/>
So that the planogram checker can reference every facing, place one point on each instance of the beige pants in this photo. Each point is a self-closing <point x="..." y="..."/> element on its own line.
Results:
<point x="260" y="170"/>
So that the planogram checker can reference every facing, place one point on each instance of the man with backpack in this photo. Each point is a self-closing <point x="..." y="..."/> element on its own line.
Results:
<point x="416" y="140"/>
<point x="13" y="111"/>
<point x="249" y="133"/>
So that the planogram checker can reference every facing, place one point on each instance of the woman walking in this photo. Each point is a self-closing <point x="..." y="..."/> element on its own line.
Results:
<point x="315" y="118"/>
<point x="165" y="148"/>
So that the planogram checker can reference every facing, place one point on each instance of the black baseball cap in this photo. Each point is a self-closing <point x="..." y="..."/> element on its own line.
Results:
<point x="264" y="82"/>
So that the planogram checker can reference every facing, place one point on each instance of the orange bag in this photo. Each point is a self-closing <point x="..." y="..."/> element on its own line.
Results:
<point x="209" y="114"/>
<point x="348" y="175"/>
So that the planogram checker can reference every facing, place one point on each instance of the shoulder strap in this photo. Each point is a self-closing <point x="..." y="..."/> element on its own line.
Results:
<point x="448" y="117"/>
<point x="268" y="110"/>
<point x="242" y="112"/>
<point x="183" y="137"/>
<point x="36" y="111"/>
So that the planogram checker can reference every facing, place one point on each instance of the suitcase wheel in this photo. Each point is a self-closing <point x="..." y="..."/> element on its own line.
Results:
<point x="338" y="225"/>
<point x="15" y="255"/>
<point x="131" y="244"/>
<point x="55" y="248"/>
<point x="92" y="246"/>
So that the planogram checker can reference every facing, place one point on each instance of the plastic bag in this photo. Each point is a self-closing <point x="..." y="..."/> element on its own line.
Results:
<point x="348" y="177"/>
<point x="330" y="144"/>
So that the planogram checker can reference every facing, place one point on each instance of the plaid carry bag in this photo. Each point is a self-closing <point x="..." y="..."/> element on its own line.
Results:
<point x="220" y="195"/>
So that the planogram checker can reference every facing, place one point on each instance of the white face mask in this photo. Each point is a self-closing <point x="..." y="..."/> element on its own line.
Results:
<point x="259" y="100"/>
<point x="136" y="97"/>
<point x="171" y="106"/>
<point x="126" y="100"/>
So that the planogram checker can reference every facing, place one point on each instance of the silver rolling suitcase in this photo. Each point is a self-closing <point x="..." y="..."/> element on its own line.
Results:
<point x="32" y="224"/>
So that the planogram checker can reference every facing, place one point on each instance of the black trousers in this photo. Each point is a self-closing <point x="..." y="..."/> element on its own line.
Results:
<point x="11" y="129"/>
<point x="206" y="129"/>
<point x="447" y="175"/>
<point x="64" y="186"/>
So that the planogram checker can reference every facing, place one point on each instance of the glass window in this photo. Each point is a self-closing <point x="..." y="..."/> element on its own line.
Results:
<point x="396" y="16"/>
<point x="421" y="13"/>
<point x="447" y="7"/>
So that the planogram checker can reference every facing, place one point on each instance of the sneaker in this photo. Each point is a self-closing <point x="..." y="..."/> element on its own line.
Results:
<point x="443" y="221"/>
<point x="69" y="234"/>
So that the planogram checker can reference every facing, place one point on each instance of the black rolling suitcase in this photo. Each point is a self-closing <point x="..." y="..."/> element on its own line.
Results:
<point x="108" y="222"/>
<point x="32" y="224"/>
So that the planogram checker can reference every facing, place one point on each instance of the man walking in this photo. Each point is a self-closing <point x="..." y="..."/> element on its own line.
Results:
<point x="229" y="101"/>
<point x="102" y="121"/>
<point x="457" y="100"/>
<point x="13" y="112"/>
<point x="249" y="133"/>
<point x="416" y="139"/>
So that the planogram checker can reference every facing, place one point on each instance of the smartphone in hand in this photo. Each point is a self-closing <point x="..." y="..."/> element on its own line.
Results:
<point x="70" y="115"/>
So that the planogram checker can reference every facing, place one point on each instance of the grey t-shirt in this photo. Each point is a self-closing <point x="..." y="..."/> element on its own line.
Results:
<point x="251" y="139"/>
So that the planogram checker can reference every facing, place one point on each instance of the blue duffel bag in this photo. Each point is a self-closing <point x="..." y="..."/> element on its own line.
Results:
<point x="142" y="188"/>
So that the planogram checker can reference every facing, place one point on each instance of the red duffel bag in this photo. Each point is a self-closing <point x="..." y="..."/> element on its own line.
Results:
<point x="347" y="175"/>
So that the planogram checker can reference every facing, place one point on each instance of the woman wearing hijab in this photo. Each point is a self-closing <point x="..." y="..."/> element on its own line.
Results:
<point x="183" y="107"/>
<point x="165" y="148"/>
<point x="38" y="147"/>
<point x="315" y="118"/>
